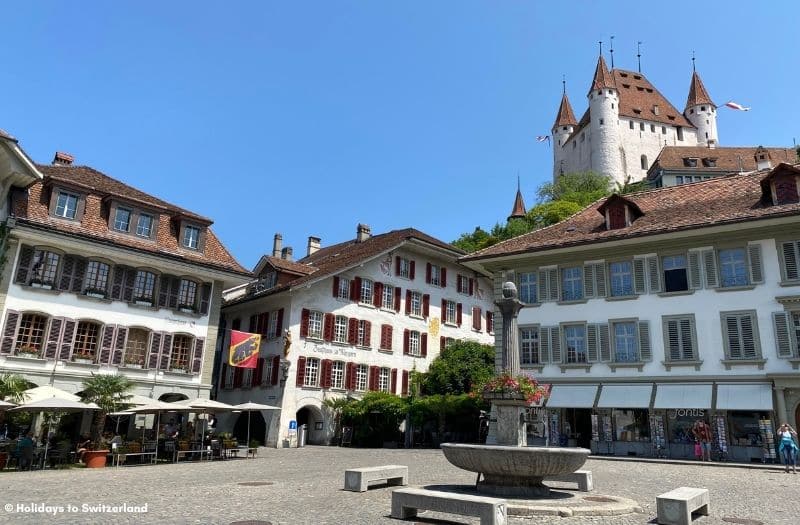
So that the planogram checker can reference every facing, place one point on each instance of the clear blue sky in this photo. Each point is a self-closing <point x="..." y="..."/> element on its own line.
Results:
<point x="307" y="118"/>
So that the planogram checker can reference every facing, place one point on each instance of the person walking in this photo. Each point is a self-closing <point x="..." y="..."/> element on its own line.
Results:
<point x="788" y="447"/>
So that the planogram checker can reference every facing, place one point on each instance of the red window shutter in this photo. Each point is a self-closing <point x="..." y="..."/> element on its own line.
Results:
<point x="428" y="273"/>
<point x="348" y="384"/>
<point x="411" y="269"/>
<point x="404" y="386"/>
<point x="405" y="341"/>
<point x="397" y="265"/>
<point x="238" y="375"/>
<point x="443" y="313"/>
<point x="489" y="322"/>
<point x="304" y="323"/>
<point x="301" y="370"/>
<point x="443" y="277"/>
<point x="335" y="285"/>
<point x="472" y="286"/>
<point x="328" y="329"/>
<point x="367" y="334"/>
<point x="264" y="322"/>
<point x="386" y="337"/>
<point x="424" y="345"/>
<point x="279" y="327"/>
<point x="258" y="373"/>
<point x="353" y="369"/>
<point x="357" y="289"/>
<point x="441" y="343"/>
<point x="325" y="381"/>
<point x="374" y="371"/>
<point x="397" y="292"/>
<point x="426" y="305"/>
<point x="408" y="302"/>
<point x="352" y="330"/>
<point x="476" y="318"/>
<point x="253" y="324"/>
<point x="458" y="314"/>
<point x="276" y="369"/>
<point x="377" y="296"/>
<point x="393" y="383"/>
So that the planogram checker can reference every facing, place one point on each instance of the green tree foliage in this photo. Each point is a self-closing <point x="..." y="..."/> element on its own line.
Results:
<point x="582" y="188"/>
<point x="12" y="388"/>
<point x="375" y="418"/>
<point x="458" y="367"/>
<point x="108" y="391"/>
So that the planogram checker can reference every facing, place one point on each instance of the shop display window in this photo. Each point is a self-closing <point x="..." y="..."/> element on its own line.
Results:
<point x="631" y="425"/>
<point x="681" y="423"/>
<point x="744" y="428"/>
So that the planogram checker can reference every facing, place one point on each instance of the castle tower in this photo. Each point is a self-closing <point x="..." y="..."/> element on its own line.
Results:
<point x="518" y="212"/>
<point x="563" y="127"/>
<point x="604" y="124"/>
<point x="701" y="112"/>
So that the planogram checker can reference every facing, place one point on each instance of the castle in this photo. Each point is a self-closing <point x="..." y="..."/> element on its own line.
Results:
<point x="627" y="123"/>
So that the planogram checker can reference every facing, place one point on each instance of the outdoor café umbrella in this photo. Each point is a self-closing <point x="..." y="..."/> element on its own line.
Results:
<point x="249" y="407"/>
<point x="47" y="392"/>
<point x="54" y="404"/>
<point x="202" y="405"/>
<point x="154" y="407"/>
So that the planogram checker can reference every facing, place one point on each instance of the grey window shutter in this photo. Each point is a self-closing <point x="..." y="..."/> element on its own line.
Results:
<point x="672" y="338"/>
<point x="791" y="260"/>
<point x="653" y="274"/>
<point x="53" y="338"/>
<point x="591" y="343"/>
<point x="107" y="343"/>
<point x="541" y="285"/>
<point x="748" y="331"/>
<point x="118" y="283"/>
<point x="552" y="284"/>
<point x="710" y="268"/>
<point x="166" y="352"/>
<point x="687" y="341"/>
<point x="10" y="331"/>
<point x="639" y="286"/>
<point x="197" y="357"/>
<point x="24" y="264"/>
<point x="600" y="276"/>
<point x="155" y="350"/>
<point x="164" y="284"/>
<point x="67" y="339"/>
<point x="756" y="263"/>
<point x="79" y="275"/>
<point x="555" y="344"/>
<point x="695" y="275"/>
<point x="733" y="343"/>
<point x="645" y="350"/>
<point x="544" y="345"/>
<point x="588" y="281"/>
<point x="119" y="345"/>
<point x="783" y="338"/>
<point x="605" y="348"/>
<point x="205" y="297"/>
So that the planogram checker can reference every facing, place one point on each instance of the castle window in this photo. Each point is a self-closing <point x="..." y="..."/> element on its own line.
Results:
<point x="564" y="128"/>
<point x="707" y="122"/>
<point x="663" y="130"/>
<point x="691" y="111"/>
<point x="706" y="134"/>
<point x="612" y="105"/>
<point x="601" y="123"/>
<point x="679" y="130"/>
<point x="710" y="162"/>
<point x="702" y="108"/>
<point x="641" y="126"/>
<point x="652" y="128"/>
<point x="631" y="124"/>
<point x="655" y="109"/>
<point x="644" y="162"/>
<point x="690" y="162"/>
<point x="609" y="91"/>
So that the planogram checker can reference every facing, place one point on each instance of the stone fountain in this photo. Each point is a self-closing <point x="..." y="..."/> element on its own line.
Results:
<point x="510" y="468"/>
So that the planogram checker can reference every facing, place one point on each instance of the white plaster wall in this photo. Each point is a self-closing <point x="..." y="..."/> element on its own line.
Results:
<point x="705" y="122"/>
<point x="605" y="139"/>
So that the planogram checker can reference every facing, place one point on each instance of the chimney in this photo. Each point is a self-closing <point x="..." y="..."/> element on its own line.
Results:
<point x="276" y="245"/>
<point x="762" y="159"/>
<point x="62" y="158"/>
<point x="363" y="233"/>
<point x="286" y="253"/>
<point x="313" y="245"/>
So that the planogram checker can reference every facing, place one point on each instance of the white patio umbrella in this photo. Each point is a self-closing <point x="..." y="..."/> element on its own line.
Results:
<point x="202" y="405"/>
<point x="4" y="405"/>
<point x="249" y="407"/>
<point x="47" y="392"/>
<point x="155" y="407"/>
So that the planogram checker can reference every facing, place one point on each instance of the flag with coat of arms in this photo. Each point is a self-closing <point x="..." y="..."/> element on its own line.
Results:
<point x="243" y="352"/>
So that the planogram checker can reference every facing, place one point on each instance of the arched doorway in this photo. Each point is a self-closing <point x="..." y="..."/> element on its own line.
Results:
<point x="172" y="397"/>
<point x="312" y="417"/>
<point x="258" y="427"/>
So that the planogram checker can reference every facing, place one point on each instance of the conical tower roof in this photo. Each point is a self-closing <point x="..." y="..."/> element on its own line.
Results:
<point x="565" y="116"/>
<point x="602" y="78"/>
<point x="519" y="207"/>
<point x="697" y="93"/>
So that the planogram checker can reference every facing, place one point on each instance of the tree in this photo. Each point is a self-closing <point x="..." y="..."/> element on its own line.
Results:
<point x="12" y="388"/>
<point x="107" y="391"/>
<point x="582" y="188"/>
<point x="335" y="406"/>
<point x="458" y="367"/>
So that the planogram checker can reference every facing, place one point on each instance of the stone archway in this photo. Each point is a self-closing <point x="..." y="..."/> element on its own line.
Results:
<point x="312" y="417"/>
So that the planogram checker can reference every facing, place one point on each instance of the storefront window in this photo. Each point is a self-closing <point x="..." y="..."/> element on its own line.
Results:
<point x="681" y="422"/>
<point x="631" y="425"/>
<point x="744" y="428"/>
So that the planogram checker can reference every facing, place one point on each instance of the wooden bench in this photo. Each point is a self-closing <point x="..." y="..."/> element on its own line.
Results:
<point x="676" y="506"/>
<point x="406" y="502"/>
<point x="357" y="479"/>
<point x="582" y="477"/>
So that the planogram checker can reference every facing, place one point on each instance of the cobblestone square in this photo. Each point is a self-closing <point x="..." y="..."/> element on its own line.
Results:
<point x="306" y="488"/>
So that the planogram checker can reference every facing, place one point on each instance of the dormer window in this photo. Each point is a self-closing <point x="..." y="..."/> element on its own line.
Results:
<point x="781" y="185"/>
<point x="66" y="205"/>
<point x="122" y="219"/>
<point x="144" y="225"/>
<point x="191" y="237"/>
<point x="709" y="162"/>
<point x="690" y="162"/>
<point x="619" y="212"/>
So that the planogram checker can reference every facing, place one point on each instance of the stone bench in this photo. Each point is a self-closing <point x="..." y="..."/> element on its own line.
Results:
<point x="676" y="506"/>
<point x="406" y="503"/>
<point x="357" y="479"/>
<point x="582" y="477"/>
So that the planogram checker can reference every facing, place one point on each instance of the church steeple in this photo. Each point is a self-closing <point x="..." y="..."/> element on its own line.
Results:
<point x="519" y="205"/>
<point x="697" y="93"/>
<point x="602" y="78"/>
<point x="565" y="115"/>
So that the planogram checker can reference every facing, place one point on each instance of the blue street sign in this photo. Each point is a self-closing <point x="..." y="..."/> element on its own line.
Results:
<point x="292" y="425"/>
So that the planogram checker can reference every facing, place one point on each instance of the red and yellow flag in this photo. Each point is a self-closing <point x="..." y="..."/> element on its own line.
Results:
<point x="244" y="349"/>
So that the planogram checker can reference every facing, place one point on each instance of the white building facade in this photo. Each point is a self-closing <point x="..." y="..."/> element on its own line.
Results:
<point x="646" y="317"/>
<point x="360" y="315"/>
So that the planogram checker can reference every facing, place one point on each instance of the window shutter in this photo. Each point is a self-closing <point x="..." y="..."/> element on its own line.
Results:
<point x="327" y="331"/>
<point x="423" y="345"/>
<point x="756" y="264"/>
<point x="541" y="286"/>
<point x="367" y="334"/>
<point x="600" y="280"/>
<point x="443" y="277"/>
<point x="476" y="318"/>
<point x="393" y="381"/>
<point x="552" y="284"/>
<point x="408" y="302"/>
<point x="411" y="270"/>
<point x="67" y="273"/>
<point x="106" y="343"/>
<point x="324" y="373"/>
<point x="377" y="296"/>
<point x="693" y="271"/>
<point x="67" y="339"/>
<point x="205" y="297"/>
<point x="78" y="274"/>
<point x="263" y="321"/>
<point x="589" y="281"/>
<point x="441" y="344"/>
<point x="730" y="327"/>
<point x="686" y="330"/>
<point x="710" y="267"/>
<point x="653" y="274"/>
<point x="197" y="356"/>
<point x="166" y="352"/>
<point x="352" y="289"/>
<point x="373" y="378"/>
<point x="53" y="337"/>
<point x="155" y="349"/>
<point x="279" y="324"/>
<point x="118" y="283"/>
<point x="253" y="326"/>
<point x="405" y="341"/>
<point x="397" y="292"/>
<point x="459" y="309"/>
<point x="119" y="345"/>
<point x="555" y="344"/>
<point x="428" y="273"/>
<point x="304" y="322"/>
<point x="335" y="286"/>
<point x="175" y="284"/>
<point x="352" y="375"/>
<point x="605" y="349"/>
<point x="301" y="371"/>
<point x="397" y="265"/>
<point x="748" y="331"/>
<point x="544" y="345"/>
<point x="258" y="373"/>
<point x="130" y="281"/>
<point x="443" y="312"/>
<point x="791" y="260"/>
<point x="783" y="338"/>
<point x="352" y="330"/>
<point x="673" y="340"/>
<point x="386" y="337"/>
<point x="357" y="290"/>
<point x="276" y="369"/>
<point x="639" y="286"/>
<point x="645" y="350"/>
<point x="591" y="343"/>
<point x="426" y="305"/>
<point x="404" y="387"/>
<point x="489" y="322"/>
<point x="471" y="286"/>
<point x="24" y="264"/>
<point x="10" y="331"/>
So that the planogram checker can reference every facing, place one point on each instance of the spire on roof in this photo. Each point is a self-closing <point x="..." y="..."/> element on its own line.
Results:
<point x="519" y="205"/>
<point x="565" y="116"/>
<point x="697" y="93"/>
<point x="602" y="78"/>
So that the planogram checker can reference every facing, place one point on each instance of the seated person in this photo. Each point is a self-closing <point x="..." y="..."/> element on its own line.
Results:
<point x="84" y="444"/>
<point x="171" y="430"/>
<point x="25" y="449"/>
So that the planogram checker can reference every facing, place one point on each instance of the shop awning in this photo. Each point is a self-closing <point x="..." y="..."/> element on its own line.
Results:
<point x="683" y="395"/>
<point x="744" y="396"/>
<point x="625" y="396"/>
<point x="572" y="396"/>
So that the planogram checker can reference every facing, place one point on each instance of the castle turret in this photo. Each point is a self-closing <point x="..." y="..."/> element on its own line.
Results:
<point x="563" y="127"/>
<point x="518" y="212"/>
<point x="701" y="112"/>
<point x="606" y="144"/>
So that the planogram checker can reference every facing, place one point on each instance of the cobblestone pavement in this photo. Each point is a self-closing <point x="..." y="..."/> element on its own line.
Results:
<point x="307" y="489"/>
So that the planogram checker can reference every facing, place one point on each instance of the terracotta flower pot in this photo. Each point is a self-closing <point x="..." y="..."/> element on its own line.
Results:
<point x="95" y="458"/>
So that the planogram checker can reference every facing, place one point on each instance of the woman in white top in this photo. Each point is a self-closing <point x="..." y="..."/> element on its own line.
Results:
<point x="787" y="447"/>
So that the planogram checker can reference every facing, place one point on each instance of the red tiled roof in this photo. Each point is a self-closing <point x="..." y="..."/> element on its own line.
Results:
<point x="726" y="159"/>
<point x="602" y="78"/>
<point x="565" y="116"/>
<point x="32" y="207"/>
<point x="638" y="99"/>
<point x="718" y="201"/>
<point x="697" y="93"/>
<point x="289" y="266"/>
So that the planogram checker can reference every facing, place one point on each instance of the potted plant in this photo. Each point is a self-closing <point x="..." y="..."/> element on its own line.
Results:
<point x="143" y="301"/>
<point x="178" y="368"/>
<point x="97" y="293"/>
<point x="110" y="393"/>
<point x="186" y="308"/>
<point x="28" y="351"/>
<point x="83" y="356"/>
<point x="134" y="361"/>
<point x="513" y="388"/>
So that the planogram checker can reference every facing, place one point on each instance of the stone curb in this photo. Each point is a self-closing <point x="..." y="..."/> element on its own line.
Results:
<point x="727" y="464"/>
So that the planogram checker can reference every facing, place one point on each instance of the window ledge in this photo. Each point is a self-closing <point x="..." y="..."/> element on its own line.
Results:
<point x="573" y="301"/>
<point x="84" y="365"/>
<point x="452" y="325"/>
<point x="630" y="364"/>
<point x="364" y="347"/>
<point x="187" y="313"/>
<point x="316" y="388"/>
<point x="743" y="362"/>
<point x="48" y="289"/>
<point x="531" y="305"/>
<point x="366" y="305"/>
<point x="340" y="343"/>
<point x="537" y="367"/>
<point x="735" y="288"/>
<point x="696" y="363"/>
<point x="314" y="339"/>
<point x="789" y="283"/>
<point x="143" y="305"/>
<point x="795" y="362"/>
<point x="788" y="299"/>
<point x="95" y="299"/>
<point x="24" y="358"/>
<point x="385" y="351"/>
<point x="575" y="366"/>
<point x="678" y="293"/>
<point x="388" y="310"/>
<point x="128" y="368"/>
<point x="621" y="297"/>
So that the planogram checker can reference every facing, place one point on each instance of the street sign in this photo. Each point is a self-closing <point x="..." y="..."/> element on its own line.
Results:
<point x="292" y="425"/>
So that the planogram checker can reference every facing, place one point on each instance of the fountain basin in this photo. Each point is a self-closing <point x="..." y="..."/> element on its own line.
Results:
<point x="514" y="471"/>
